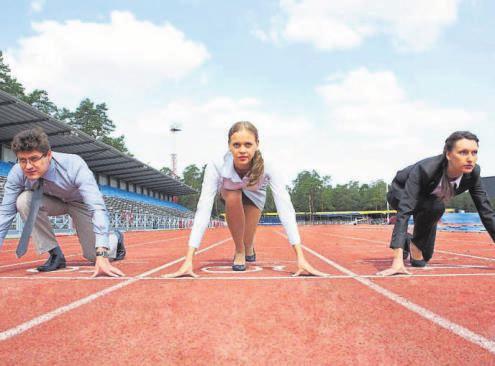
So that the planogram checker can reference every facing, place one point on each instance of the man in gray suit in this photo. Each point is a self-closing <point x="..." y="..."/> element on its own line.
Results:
<point x="45" y="183"/>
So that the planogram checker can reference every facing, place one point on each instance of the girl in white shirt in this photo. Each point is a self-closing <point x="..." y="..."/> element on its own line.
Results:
<point x="242" y="178"/>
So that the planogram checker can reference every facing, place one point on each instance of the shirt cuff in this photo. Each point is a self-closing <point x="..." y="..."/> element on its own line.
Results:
<point x="101" y="240"/>
<point x="194" y="245"/>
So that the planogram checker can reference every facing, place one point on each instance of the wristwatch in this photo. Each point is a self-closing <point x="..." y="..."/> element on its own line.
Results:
<point x="102" y="252"/>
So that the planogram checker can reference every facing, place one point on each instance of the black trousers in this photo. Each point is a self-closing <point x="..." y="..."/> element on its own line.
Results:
<point x="426" y="215"/>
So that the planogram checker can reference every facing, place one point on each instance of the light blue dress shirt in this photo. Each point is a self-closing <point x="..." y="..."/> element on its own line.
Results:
<point x="69" y="179"/>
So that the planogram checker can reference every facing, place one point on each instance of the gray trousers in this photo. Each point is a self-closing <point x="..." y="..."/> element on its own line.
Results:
<point x="43" y="236"/>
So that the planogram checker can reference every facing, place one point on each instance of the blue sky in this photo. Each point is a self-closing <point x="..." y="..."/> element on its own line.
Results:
<point x="352" y="89"/>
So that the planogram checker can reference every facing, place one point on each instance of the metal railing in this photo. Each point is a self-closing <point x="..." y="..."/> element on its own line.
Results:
<point x="125" y="221"/>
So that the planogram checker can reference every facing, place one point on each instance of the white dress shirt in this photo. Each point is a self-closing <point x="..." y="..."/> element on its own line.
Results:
<point x="454" y="183"/>
<point x="221" y="174"/>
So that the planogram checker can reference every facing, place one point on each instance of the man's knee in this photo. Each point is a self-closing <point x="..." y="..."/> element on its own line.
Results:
<point x="23" y="202"/>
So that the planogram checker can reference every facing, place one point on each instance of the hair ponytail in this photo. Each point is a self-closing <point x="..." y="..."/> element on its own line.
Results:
<point x="257" y="168"/>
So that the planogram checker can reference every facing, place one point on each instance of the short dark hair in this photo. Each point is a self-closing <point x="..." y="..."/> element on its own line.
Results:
<point x="29" y="140"/>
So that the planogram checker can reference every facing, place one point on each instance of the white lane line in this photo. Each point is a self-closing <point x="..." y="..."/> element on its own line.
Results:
<point x="76" y="255"/>
<point x="384" y="242"/>
<point x="21" y="328"/>
<point x="240" y="278"/>
<point x="437" y="251"/>
<point x="457" y="329"/>
<point x="466" y="255"/>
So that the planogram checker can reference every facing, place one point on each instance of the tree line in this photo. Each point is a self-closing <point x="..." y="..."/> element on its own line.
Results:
<point x="313" y="192"/>
<point x="89" y="117"/>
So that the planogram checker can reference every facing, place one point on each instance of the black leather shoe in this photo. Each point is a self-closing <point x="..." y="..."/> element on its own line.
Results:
<point x="120" y="253"/>
<point x="239" y="267"/>
<point x="251" y="258"/>
<point x="417" y="262"/>
<point x="54" y="262"/>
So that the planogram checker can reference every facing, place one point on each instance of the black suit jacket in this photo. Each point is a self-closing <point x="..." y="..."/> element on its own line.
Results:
<point x="419" y="180"/>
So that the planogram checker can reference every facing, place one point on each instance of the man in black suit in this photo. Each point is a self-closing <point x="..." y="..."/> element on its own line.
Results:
<point x="423" y="188"/>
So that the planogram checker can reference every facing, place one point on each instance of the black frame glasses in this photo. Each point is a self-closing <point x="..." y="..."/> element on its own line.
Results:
<point x="31" y="160"/>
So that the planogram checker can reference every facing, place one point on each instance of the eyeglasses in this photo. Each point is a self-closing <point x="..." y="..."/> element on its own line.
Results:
<point x="31" y="160"/>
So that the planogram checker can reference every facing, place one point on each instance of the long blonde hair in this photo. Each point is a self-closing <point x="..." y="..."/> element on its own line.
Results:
<point x="257" y="164"/>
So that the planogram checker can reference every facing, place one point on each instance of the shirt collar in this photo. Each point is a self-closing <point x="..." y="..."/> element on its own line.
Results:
<point x="228" y="170"/>
<point x="50" y="173"/>
<point x="457" y="182"/>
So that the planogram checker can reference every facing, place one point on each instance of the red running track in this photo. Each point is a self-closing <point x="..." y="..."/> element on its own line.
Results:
<point x="441" y="315"/>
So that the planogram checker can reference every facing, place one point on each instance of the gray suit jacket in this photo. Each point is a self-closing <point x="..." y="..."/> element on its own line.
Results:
<point x="419" y="180"/>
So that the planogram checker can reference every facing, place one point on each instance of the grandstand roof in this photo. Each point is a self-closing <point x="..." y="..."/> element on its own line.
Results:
<point x="15" y="116"/>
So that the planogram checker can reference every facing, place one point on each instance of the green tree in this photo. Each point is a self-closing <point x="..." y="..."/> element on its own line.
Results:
<point x="307" y="191"/>
<point x="8" y="83"/>
<point x="118" y="143"/>
<point x="93" y="120"/>
<point x="376" y="199"/>
<point x="342" y="200"/>
<point x="64" y="115"/>
<point x="167" y="170"/>
<point x="193" y="177"/>
<point x="462" y="202"/>
<point x="269" y="203"/>
<point x="39" y="99"/>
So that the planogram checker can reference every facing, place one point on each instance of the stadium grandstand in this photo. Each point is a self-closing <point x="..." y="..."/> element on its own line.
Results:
<point x="138" y="197"/>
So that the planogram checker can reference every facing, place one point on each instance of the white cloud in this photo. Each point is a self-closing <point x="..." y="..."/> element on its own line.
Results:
<point x="369" y="129"/>
<point x="412" y="25"/>
<point x="37" y="6"/>
<point x="381" y="129"/>
<point x="75" y="59"/>
<point x="204" y="132"/>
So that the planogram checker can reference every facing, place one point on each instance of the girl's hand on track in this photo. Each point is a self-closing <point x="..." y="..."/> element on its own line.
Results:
<point x="304" y="266"/>
<point x="185" y="270"/>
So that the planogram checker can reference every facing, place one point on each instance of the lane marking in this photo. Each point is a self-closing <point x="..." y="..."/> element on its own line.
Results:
<point x="208" y="278"/>
<point x="455" y="328"/>
<point x="437" y="251"/>
<point x="466" y="255"/>
<point x="228" y="269"/>
<point x="75" y="255"/>
<point x="386" y="243"/>
<point x="21" y="328"/>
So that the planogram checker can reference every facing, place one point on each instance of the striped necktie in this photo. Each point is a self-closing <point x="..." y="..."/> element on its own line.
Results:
<point x="29" y="224"/>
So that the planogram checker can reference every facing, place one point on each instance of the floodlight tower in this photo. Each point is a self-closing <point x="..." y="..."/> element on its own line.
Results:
<point x="174" y="128"/>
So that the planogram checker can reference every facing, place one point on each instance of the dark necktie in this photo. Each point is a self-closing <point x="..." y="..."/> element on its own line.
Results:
<point x="29" y="224"/>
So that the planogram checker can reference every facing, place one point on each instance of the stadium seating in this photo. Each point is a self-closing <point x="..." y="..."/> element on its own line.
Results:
<point x="145" y="201"/>
<point x="123" y="203"/>
<point x="5" y="168"/>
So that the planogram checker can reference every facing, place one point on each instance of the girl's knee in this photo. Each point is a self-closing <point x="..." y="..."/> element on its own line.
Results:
<point x="231" y="196"/>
